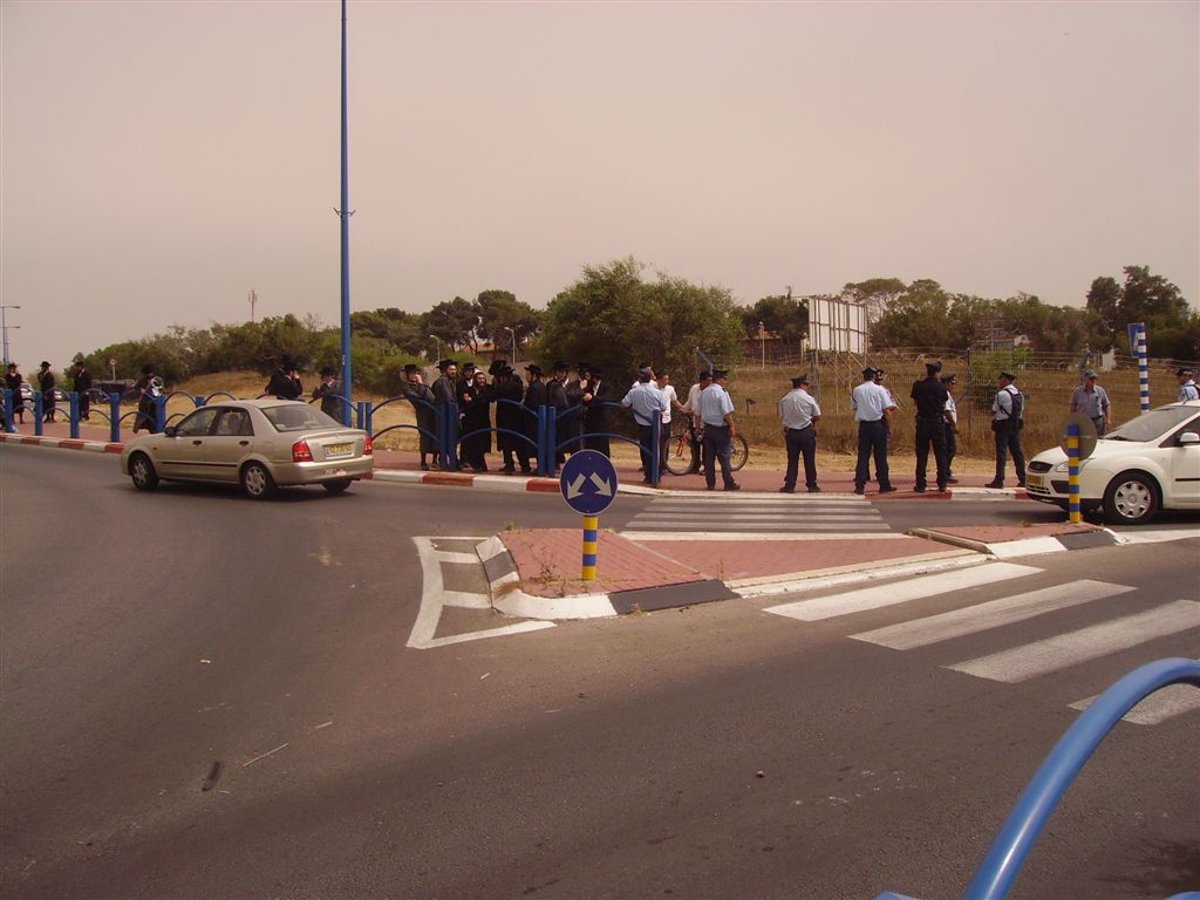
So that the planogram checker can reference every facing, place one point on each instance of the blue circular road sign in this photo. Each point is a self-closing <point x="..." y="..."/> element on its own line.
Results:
<point x="588" y="482"/>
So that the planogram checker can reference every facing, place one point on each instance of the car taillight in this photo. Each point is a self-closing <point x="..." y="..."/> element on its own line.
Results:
<point x="301" y="452"/>
<point x="368" y="446"/>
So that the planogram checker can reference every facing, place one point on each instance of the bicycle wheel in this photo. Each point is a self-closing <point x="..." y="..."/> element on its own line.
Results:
<point x="739" y="453"/>
<point x="679" y="453"/>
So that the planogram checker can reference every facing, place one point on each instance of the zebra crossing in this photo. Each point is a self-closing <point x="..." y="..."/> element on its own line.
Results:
<point x="1015" y="664"/>
<point x="758" y="513"/>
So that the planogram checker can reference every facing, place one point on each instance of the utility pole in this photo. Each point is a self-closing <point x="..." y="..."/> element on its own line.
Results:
<point x="514" y="340"/>
<point x="344" y="214"/>
<point x="252" y="299"/>
<point x="438" y="357"/>
<point x="4" y="326"/>
<point x="762" y="337"/>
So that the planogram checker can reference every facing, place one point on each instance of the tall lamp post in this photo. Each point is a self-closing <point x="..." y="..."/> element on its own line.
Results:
<point x="4" y="327"/>
<point x="438" y="346"/>
<point x="762" y="337"/>
<point x="344" y="215"/>
<point x="514" y="340"/>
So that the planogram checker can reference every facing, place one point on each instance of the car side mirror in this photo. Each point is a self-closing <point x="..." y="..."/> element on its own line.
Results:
<point x="1189" y="437"/>
<point x="169" y="431"/>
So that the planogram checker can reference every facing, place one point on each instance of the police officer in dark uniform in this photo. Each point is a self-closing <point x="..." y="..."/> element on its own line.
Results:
<point x="930" y="396"/>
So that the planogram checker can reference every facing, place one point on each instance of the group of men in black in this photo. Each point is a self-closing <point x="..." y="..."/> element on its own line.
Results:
<point x="576" y="402"/>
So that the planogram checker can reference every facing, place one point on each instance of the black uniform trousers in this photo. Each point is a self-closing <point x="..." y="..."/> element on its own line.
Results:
<point x="717" y="449"/>
<point x="1008" y="440"/>
<point x="932" y="432"/>
<point x="801" y="441"/>
<point x="872" y="441"/>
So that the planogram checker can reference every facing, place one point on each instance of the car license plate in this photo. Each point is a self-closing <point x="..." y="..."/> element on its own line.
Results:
<point x="1034" y="481"/>
<point x="339" y="450"/>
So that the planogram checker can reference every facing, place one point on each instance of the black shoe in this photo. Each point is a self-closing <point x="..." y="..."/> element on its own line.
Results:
<point x="941" y="489"/>
<point x="888" y="489"/>
<point x="859" y="491"/>
<point x="787" y="490"/>
<point x="733" y="486"/>
<point x="710" y="487"/>
<point x="952" y="481"/>
<point x="1020" y="484"/>
<point x="814" y="489"/>
<point x="994" y="484"/>
<point x="424" y="467"/>
<point x="919" y="490"/>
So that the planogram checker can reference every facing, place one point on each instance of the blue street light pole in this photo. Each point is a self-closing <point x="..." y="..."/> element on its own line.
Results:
<point x="344" y="214"/>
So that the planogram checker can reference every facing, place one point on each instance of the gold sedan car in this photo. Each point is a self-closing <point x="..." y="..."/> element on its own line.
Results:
<point x="260" y="444"/>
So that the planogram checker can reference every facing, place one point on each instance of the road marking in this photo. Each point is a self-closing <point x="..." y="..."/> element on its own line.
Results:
<point x="434" y="597"/>
<point x="1171" y="701"/>
<point x="901" y="592"/>
<point x="758" y="513"/>
<point x="985" y="616"/>
<point x="1060" y="652"/>
<point x="1140" y="536"/>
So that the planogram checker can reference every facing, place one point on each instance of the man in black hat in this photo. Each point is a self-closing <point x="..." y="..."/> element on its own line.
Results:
<point x="285" y="381"/>
<point x="1008" y="418"/>
<point x="82" y="385"/>
<point x="46" y="385"/>
<point x="1187" y="385"/>
<point x="535" y="397"/>
<point x="421" y="397"/>
<point x="327" y="392"/>
<point x="567" y="426"/>
<point x="508" y="391"/>
<point x="930" y="396"/>
<point x="799" y="412"/>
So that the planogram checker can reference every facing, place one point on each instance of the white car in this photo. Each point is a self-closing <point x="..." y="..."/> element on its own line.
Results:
<point x="1151" y="462"/>
<point x="259" y="444"/>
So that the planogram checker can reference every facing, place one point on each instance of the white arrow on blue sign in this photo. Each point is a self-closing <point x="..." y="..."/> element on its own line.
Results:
<point x="588" y="482"/>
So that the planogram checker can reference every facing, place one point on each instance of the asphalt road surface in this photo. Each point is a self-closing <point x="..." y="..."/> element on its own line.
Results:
<point x="202" y="696"/>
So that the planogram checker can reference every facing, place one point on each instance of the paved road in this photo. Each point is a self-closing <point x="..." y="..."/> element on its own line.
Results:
<point x="730" y="749"/>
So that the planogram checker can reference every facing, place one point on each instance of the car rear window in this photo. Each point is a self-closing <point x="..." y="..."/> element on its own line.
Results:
<point x="298" y="417"/>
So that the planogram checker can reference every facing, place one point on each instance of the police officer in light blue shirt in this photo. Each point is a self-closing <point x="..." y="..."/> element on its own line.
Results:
<point x="799" y="412"/>
<point x="716" y="413"/>
<point x="1187" y="385"/>
<point x="872" y="406"/>
<point x="648" y="404"/>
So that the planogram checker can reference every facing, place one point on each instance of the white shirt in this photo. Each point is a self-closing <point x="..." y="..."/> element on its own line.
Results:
<point x="671" y="397"/>
<point x="1004" y="410"/>
<point x="1188" y="391"/>
<point x="951" y="408"/>
<point x="797" y="409"/>
<point x="869" y="400"/>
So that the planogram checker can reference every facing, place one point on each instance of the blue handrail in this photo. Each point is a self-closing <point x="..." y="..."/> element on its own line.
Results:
<point x="1003" y="862"/>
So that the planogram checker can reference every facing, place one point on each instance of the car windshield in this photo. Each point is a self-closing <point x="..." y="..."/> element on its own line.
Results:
<point x="1151" y="425"/>
<point x="298" y="417"/>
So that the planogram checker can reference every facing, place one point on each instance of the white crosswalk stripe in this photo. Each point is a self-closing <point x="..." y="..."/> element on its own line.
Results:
<point x="877" y="597"/>
<point x="1030" y="660"/>
<point x="1074" y="647"/>
<point x="985" y="616"/>
<point x="719" y="511"/>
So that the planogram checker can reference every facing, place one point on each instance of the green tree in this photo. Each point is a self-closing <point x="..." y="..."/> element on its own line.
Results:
<point x="500" y="311"/>
<point x="875" y="294"/>
<point x="780" y="314"/>
<point x="1103" y="299"/>
<point x="918" y="317"/>
<point x="614" y="319"/>
<point x="454" y="321"/>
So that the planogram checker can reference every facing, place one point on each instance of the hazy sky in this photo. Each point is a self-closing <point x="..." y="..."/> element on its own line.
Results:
<point x="160" y="159"/>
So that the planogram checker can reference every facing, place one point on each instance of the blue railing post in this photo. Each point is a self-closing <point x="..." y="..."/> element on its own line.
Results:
<point x="450" y="411"/>
<point x="999" y="869"/>
<point x="9" y="394"/>
<point x="655" y="450"/>
<point x="38" y="412"/>
<point x="364" y="416"/>
<point x="114" y="417"/>
<point x="550" y="447"/>
<point x="160" y="413"/>
<point x="73" y="401"/>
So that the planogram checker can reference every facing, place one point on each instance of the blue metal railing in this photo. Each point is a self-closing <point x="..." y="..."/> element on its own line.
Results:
<point x="999" y="869"/>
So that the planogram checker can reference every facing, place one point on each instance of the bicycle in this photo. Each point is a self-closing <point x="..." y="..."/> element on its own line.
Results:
<point x="679" y="457"/>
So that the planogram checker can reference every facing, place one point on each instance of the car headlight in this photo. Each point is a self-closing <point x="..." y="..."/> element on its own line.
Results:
<point x="1065" y="467"/>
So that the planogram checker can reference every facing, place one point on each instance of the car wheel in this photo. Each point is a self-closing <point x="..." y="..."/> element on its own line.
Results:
<point x="1131" y="499"/>
<point x="141" y="470"/>
<point x="257" y="482"/>
<point x="337" y="486"/>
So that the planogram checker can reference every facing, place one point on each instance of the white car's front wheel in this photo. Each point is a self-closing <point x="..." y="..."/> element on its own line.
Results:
<point x="1131" y="499"/>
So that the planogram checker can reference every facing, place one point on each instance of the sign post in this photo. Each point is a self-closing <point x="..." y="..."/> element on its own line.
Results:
<point x="1079" y="441"/>
<point x="1137" y="347"/>
<point x="588" y="484"/>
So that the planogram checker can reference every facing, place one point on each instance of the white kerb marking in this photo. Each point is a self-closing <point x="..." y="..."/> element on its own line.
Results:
<point x="1173" y="700"/>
